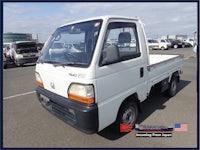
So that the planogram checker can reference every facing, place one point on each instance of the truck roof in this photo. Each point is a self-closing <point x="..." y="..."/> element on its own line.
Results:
<point x="103" y="18"/>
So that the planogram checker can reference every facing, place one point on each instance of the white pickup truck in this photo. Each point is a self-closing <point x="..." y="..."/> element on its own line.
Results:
<point x="102" y="84"/>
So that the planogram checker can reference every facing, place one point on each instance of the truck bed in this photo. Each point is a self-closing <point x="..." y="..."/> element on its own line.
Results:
<point x="162" y="66"/>
<point x="158" y="58"/>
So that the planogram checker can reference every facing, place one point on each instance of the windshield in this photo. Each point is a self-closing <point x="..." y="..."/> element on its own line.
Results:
<point x="153" y="41"/>
<point x="72" y="45"/>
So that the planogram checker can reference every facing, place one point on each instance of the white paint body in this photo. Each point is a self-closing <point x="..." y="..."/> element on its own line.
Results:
<point x="113" y="83"/>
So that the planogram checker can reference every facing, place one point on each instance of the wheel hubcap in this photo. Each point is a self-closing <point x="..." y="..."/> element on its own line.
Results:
<point x="129" y="116"/>
<point x="173" y="86"/>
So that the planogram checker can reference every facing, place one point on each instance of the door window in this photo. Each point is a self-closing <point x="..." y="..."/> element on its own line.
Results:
<point x="120" y="43"/>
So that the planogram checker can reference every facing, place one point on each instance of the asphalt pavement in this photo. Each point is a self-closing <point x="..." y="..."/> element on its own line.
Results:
<point x="26" y="124"/>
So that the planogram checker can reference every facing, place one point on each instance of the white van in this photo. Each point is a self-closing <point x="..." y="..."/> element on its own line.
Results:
<point x="23" y="52"/>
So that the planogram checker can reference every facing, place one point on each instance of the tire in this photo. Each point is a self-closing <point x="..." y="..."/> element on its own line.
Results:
<point x="128" y="114"/>
<point x="172" y="87"/>
<point x="175" y="46"/>
<point x="17" y="64"/>
<point x="162" y="48"/>
<point x="5" y="66"/>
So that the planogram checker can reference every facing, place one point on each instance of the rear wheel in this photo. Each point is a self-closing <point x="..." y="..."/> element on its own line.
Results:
<point x="127" y="115"/>
<point x="172" y="87"/>
<point x="175" y="46"/>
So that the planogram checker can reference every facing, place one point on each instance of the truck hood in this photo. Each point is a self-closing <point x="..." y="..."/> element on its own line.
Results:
<point x="26" y="50"/>
<point x="26" y="47"/>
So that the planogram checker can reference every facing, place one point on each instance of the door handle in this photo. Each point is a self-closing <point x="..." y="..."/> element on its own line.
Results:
<point x="141" y="72"/>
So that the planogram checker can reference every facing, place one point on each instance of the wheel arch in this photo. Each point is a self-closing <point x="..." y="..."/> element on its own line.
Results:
<point x="176" y="75"/>
<point x="134" y="98"/>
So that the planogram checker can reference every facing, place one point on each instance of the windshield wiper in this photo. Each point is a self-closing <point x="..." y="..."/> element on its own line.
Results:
<point x="57" y="64"/>
<point x="47" y="61"/>
<point x="69" y="64"/>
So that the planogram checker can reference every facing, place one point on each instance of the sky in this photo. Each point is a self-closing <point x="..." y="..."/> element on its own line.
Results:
<point x="160" y="18"/>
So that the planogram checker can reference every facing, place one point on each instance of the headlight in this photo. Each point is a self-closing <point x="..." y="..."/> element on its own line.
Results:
<point x="82" y="93"/>
<point x="19" y="56"/>
<point x="38" y="80"/>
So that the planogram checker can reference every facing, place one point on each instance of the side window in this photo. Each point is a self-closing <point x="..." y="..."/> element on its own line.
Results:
<point x="162" y="41"/>
<point x="120" y="43"/>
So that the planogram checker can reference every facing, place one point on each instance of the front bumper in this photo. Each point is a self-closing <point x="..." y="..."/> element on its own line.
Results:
<point x="81" y="116"/>
<point x="26" y="60"/>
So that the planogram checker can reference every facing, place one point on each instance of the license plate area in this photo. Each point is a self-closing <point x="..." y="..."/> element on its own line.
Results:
<point x="46" y="101"/>
<point x="57" y="109"/>
<point x="29" y="54"/>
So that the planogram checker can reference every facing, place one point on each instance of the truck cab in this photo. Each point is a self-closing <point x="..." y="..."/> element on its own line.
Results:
<point x="106" y="78"/>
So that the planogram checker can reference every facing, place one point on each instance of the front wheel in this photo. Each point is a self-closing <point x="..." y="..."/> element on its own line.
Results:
<point x="18" y="64"/>
<point x="127" y="116"/>
<point x="162" y="48"/>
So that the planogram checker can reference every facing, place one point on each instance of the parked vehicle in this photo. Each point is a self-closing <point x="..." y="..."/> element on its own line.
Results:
<point x="23" y="52"/>
<point x="74" y="47"/>
<point x="105" y="84"/>
<point x="155" y="44"/>
<point x="182" y="44"/>
<point x="40" y="46"/>
<point x="166" y="42"/>
<point x="191" y="41"/>
<point x="4" y="62"/>
<point x="6" y="49"/>
<point x="176" y="43"/>
<point x="186" y="44"/>
<point x="195" y="48"/>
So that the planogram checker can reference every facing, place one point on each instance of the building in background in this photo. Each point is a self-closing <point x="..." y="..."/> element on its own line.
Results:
<point x="177" y="37"/>
<point x="12" y="37"/>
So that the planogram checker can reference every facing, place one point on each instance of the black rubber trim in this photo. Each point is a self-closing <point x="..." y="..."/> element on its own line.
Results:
<point x="81" y="116"/>
<point x="26" y="60"/>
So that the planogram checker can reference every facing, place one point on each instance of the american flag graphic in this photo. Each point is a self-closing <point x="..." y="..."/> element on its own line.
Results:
<point x="181" y="127"/>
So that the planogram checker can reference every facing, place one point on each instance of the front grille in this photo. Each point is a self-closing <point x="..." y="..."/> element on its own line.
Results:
<point x="63" y="112"/>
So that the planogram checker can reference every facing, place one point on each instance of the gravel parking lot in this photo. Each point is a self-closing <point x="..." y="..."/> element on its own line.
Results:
<point x="27" y="125"/>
